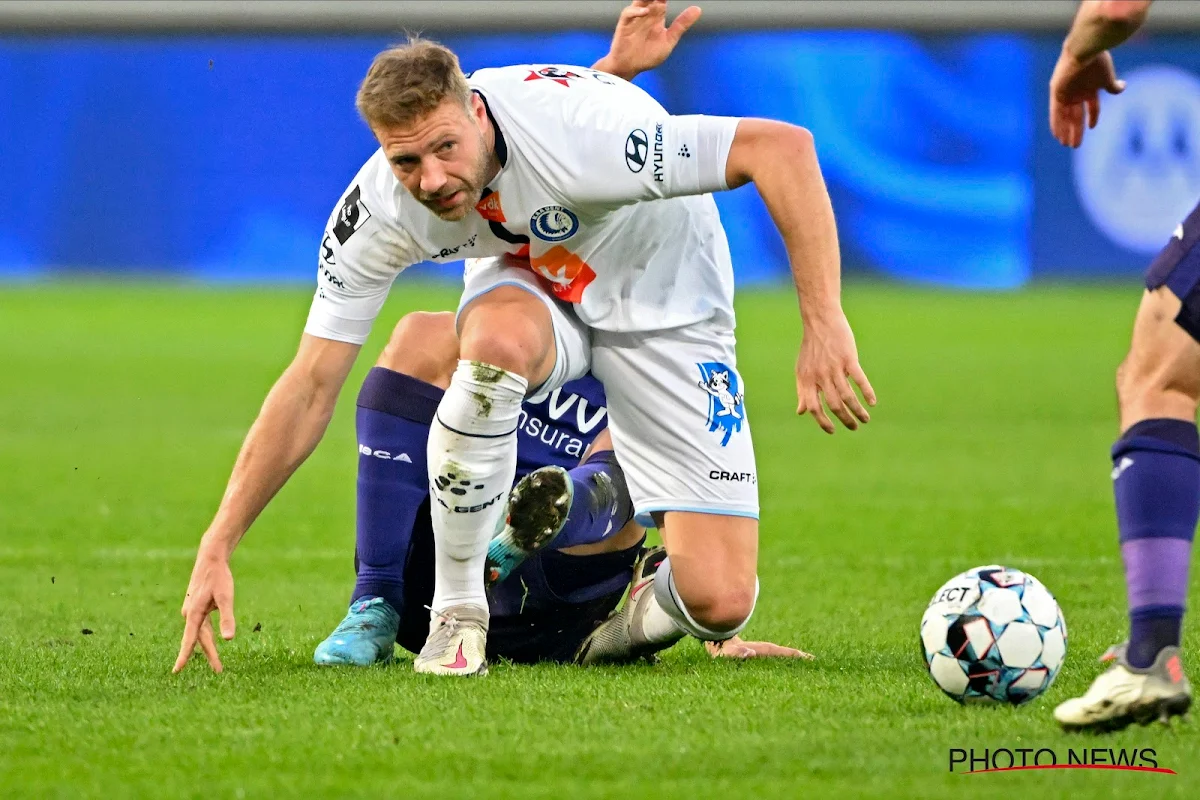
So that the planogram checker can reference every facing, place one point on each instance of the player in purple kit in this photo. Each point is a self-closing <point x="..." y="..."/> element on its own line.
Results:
<point x="1156" y="460"/>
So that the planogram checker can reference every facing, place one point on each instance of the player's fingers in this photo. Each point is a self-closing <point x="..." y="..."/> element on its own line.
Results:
<point x="686" y="19"/>
<point x="228" y="622"/>
<point x="209" y="645"/>
<point x="1093" y="111"/>
<point x="1115" y="86"/>
<point x="191" y="630"/>
<point x="864" y="384"/>
<point x="633" y="12"/>
<point x="833" y="399"/>
<point x="812" y="404"/>
<point x="851" y="400"/>
<point x="772" y="650"/>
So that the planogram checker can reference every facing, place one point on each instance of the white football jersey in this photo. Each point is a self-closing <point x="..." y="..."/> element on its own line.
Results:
<point x="601" y="188"/>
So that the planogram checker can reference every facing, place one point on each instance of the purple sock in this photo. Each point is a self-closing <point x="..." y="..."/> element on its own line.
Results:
<point x="392" y="423"/>
<point x="1156" y="480"/>
<point x="601" y="506"/>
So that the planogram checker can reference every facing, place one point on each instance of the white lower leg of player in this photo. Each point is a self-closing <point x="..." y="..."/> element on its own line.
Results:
<point x="472" y="456"/>
<point x="667" y="618"/>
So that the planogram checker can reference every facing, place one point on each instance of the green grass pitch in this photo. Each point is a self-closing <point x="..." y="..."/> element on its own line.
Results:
<point x="121" y="410"/>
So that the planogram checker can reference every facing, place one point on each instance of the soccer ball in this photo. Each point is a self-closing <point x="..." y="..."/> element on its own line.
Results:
<point x="993" y="635"/>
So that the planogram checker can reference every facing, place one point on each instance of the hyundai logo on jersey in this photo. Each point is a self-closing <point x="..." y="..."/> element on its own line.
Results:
<point x="636" y="146"/>
<point x="554" y="223"/>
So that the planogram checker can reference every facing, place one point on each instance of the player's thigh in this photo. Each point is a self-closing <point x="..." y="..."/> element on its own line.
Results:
<point x="423" y="345"/>
<point x="714" y="561"/>
<point x="506" y="318"/>
<point x="1161" y="375"/>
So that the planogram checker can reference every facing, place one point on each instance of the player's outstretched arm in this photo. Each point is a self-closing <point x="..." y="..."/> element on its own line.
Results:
<point x="643" y="40"/>
<point x="737" y="647"/>
<point x="781" y="160"/>
<point x="291" y="423"/>
<point x="1085" y="66"/>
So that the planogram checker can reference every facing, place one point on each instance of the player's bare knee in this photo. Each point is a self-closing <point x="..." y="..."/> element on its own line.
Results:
<point x="713" y="610"/>
<point x="423" y="345"/>
<point x="722" y="610"/>
<point x="1158" y="384"/>
<point x="526" y="349"/>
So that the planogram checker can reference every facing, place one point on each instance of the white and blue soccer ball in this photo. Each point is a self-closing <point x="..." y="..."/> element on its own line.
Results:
<point x="993" y="635"/>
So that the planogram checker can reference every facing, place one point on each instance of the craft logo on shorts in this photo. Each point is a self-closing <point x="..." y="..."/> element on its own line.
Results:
<point x="1138" y="172"/>
<point x="726" y="408"/>
<point x="554" y="223"/>
<point x="636" y="147"/>
<point x="351" y="216"/>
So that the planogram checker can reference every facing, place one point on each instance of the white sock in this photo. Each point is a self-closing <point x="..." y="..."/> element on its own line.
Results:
<point x="472" y="456"/>
<point x="658" y="626"/>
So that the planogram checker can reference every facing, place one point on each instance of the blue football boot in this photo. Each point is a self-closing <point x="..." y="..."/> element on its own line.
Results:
<point x="366" y="636"/>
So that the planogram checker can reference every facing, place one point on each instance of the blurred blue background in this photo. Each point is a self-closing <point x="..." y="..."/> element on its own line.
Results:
<point x="220" y="158"/>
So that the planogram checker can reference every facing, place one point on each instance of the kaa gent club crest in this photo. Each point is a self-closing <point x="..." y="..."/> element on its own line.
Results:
<point x="726" y="408"/>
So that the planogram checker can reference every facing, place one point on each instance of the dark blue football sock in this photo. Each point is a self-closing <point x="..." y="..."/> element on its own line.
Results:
<point x="1156" y="480"/>
<point x="392" y="423"/>
<point x="601" y="505"/>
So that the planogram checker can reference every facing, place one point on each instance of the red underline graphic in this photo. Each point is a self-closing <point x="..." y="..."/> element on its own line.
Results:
<point x="1163" y="770"/>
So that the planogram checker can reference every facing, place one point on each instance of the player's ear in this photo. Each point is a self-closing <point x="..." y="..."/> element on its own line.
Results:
<point x="478" y="111"/>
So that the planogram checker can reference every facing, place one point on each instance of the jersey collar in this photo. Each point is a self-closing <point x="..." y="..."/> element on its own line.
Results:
<point x="501" y="145"/>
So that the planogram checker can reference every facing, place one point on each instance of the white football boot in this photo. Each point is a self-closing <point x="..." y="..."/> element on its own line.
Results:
<point x="1124" y="694"/>
<point x="457" y="643"/>
<point x="621" y="638"/>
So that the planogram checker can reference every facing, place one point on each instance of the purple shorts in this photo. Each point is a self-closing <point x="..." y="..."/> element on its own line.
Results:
<point x="1177" y="266"/>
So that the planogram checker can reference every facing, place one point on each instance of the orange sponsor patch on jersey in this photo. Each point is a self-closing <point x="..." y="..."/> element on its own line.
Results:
<point x="489" y="208"/>
<point x="565" y="273"/>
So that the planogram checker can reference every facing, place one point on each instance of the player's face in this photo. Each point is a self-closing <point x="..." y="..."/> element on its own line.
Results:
<point x="443" y="159"/>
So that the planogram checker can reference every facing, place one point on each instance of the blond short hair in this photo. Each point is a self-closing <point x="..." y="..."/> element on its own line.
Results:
<point x="407" y="81"/>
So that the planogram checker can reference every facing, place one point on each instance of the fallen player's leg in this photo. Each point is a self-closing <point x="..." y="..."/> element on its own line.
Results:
<point x="559" y="508"/>
<point x="1156" y="480"/>
<point x="396" y="408"/>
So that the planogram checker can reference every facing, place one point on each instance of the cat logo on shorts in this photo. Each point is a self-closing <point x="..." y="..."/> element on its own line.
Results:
<point x="726" y="408"/>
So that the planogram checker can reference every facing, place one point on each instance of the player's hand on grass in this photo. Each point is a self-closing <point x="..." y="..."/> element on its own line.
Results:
<point x="737" y="647"/>
<point x="210" y="589"/>
<point x="643" y="40"/>
<point x="1075" y="94"/>
<point x="827" y="364"/>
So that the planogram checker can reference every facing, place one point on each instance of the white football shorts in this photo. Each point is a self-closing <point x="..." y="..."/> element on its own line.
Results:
<point x="676" y="403"/>
<point x="677" y="415"/>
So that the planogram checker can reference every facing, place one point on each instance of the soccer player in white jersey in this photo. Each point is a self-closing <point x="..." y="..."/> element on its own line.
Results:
<point x="1156" y="459"/>
<point x="560" y="164"/>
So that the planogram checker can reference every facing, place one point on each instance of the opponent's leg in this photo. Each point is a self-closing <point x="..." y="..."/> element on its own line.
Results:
<point x="563" y="509"/>
<point x="1156" y="480"/>
<point x="506" y="345"/>
<point x="706" y="588"/>
<point x="556" y="599"/>
<point x="395" y="408"/>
